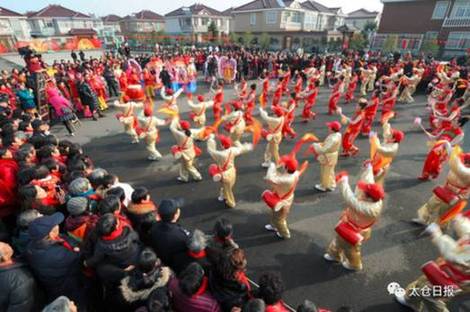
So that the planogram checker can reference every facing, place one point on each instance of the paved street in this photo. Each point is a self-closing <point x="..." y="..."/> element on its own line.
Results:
<point x="394" y="253"/>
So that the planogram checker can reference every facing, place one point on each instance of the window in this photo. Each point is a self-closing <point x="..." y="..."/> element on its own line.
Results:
<point x="48" y="23"/>
<point x="253" y="19"/>
<point x="285" y="17"/>
<point x="461" y="9"/>
<point x="440" y="10"/>
<point x="431" y="35"/>
<point x="271" y="17"/>
<point x="458" y="40"/>
<point x="296" y="17"/>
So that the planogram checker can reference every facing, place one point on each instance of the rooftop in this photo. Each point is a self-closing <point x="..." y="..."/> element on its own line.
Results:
<point x="9" y="13"/>
<point x="54" y="10"/>
<point x="195" y="9"/>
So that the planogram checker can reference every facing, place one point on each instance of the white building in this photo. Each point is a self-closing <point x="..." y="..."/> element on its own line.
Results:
<point x="361" y="18"/>
<point x="55" y="20"/>
<point x="195" y="20"/>
<point x="13" y="28"/>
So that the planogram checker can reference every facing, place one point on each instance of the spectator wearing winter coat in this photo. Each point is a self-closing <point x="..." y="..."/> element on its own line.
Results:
<point x="116" y="250"/>
<point x="221" y="241"/>
<point x="26" y="97"/>
<point x="88" y="96"/>
<point x="17" y="285"/>
<point x="191" y="293"/>
<point x="53" y="262"/>
<point x="8" y="183"/>
<point x="228" y="282"/>
<point x="168" y="238"/>
<point x="143" y="280"/>
<point x="142" y="213"/>
<point x="80" y="220"/>
<point x="62" y="108"/>
<point x="20" y="239"/>
<point x="196" y="252"/>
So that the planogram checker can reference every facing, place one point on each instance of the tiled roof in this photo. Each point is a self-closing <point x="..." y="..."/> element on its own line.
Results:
<point x="194" y="9"/>
<point x="82" y="31"/>
<point x="362" y="13"/>
<point x="261" y="4"/>
<point x="9" y="13"/>
<point x="145" y="15"/>
<point x="55" y="10"/>
<point x="315" y="6"/>
<point x="111" y="18"/>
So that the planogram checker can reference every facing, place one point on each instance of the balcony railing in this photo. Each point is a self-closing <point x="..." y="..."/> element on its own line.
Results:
<point x="456" y="22"/>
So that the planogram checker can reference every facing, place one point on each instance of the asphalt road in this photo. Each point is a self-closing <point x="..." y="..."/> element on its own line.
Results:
<point x="394" y="253"/>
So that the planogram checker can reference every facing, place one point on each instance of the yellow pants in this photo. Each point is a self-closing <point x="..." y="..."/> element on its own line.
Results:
<point x="187" y="169"/>
<point x="327" y="176"/>
<point x="272" y="152"/>
<point x="341" y="250"/>
<point x="279" y="221"/>
<point x="150" y="141"/>
<point x="129" y="129"/>
<point x="226" y="191"/>
<point x="406" y="95"/>
<point x="150" y="92"/>
<point x="432" y="210"/>
<point x="364" y="88"/>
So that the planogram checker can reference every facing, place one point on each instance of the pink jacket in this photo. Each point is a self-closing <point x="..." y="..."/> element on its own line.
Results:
<point x="57" y="101"/>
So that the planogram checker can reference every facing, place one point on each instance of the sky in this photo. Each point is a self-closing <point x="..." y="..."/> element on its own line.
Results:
<point x="124" y="7"/>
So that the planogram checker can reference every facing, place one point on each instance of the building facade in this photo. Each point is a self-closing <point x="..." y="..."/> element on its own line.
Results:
<point x="13" y="28"/>
<point x="142" y="29"/>
<point x="194" y="21"/>
<point x="438" y="26"/>
<point x="110" y="34"/>
<point x="360" y="18"/>
<point x="287" y="24"/>
<point x="55" y="20"/>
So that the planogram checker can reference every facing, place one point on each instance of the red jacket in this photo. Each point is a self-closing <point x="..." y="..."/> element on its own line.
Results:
<point x="8" y="199"/>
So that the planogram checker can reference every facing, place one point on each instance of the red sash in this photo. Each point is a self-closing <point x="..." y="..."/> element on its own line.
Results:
<point x="216" y="172"/>
<point x="272" y="198"/>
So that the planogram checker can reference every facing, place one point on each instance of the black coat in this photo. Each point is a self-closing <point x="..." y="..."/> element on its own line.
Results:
<point x="169" y="241"/>
<point x="17" y="288"/>
<point x="87" y="95"/>
<point x="57" y="269"/>
<point x="111" y="257"/>
<point x="229" y="293"/>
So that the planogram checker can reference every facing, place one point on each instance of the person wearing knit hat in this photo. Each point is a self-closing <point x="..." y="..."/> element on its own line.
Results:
<point x="281" y="197"/>
<point x="185" y="151"/>
<point x="198" y="111"/>
<point x="80" y="220"/>
<point x="128" y="118"/>
<point x="224" y="169"/>
<point x="149" y="133"/>
<point x="363" y="208"/>
<point x="385" y="152"/>
<point x="273" y="134"/>
<point x="171" y="98"/>
<point x="449" y="271"/>
<point x="235" y="122"/>
<point x="61" y="304"/>
<point x="447" y="198"/>
<point x="327" y="153"/>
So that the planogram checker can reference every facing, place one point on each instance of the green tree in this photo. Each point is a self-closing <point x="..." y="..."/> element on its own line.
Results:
<point x="390" y="44"/>
<point x="247" y="38"/>
<point x="213" y="31"/>
<point x="264" y="41"/>
<point x="369" y="27"/>
<point x="358" y="42"/>
<point x="430" y="46"/>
